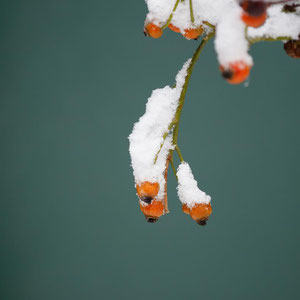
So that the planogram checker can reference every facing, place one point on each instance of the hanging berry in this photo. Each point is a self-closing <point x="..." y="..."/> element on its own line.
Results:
<point x="200" y="213"/>
<point x="153" y="30"/>
<point x="254" y="13"/>
<point x="152" y="211"/>
<point x="174" y="28"/>
<point x="236" y="72"/>
<point x="185" y="209"/>
<point x="147" y="191"/>
<point x="193" y="33"/>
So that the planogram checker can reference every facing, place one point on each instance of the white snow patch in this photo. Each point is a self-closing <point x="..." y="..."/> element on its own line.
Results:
<point x="231" y="44"/>
<point x="147" y="134"/>
<point x="188" y="191"/>
<point x="278" y="24"/>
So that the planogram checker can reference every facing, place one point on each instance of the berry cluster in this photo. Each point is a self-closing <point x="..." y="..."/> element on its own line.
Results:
<point x="235" y="68"/>
<point x="236" y="25"/>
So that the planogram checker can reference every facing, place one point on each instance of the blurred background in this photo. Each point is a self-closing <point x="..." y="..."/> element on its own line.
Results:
<point x="75" y="76"/>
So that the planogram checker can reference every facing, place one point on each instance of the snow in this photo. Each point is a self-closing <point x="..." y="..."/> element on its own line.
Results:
<point x="278" y="24"/>
<point x="188" y="191"/>
<point x="231" y="43"/>
<point x="147" y="134"/>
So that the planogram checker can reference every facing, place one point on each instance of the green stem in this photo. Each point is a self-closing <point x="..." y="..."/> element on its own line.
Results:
<point x="179" y="153"/>
<point x="192" y="12"/>
<point x="171" y="15"/>
<point x="209" y="24"/>
<point x="177" y="116"/>
<point x="175" y="121"/>
<point x="173" y="166"/>
<point x="268" y="39"/>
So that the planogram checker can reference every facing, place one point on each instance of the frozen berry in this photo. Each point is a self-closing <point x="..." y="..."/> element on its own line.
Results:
<point x="153" y="210"/>
<point x="153" y="30"/>
<point x="236" y="72"/>
<point x="185" y="209"/>
<point x="254" y="13"/>
<point x="174" y="28"/>
<point x="200" y="213"/>
<point x="292" y="48"/>
<point x="193" y="33"/>
<point x="147" y="191"/>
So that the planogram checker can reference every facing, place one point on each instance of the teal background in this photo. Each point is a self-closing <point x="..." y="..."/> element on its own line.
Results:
<point x="75" y="76"/>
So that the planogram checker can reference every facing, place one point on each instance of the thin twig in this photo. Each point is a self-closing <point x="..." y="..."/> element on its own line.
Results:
<point x="171" y="15"/>
<point x="173" y="167"/>
<point x="165" y="202"/>
<point x="185" y="86"/>
<point x="192" y="12"/>
<point x="209" y="24"/>
<point x="268" y="39"/>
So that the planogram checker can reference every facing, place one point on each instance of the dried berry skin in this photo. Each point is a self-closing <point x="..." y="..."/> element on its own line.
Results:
<point x="292" y="48"/>
<point x="151" y="219"/>
<point x="146" y="199"/>
<point x="290" y="8"/>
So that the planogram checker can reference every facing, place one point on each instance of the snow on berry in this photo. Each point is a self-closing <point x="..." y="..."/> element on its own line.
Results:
<point x="231" y="43"/>
<point x="188" y="191"/>
<point x="147" y="135"/>
<point x="278" y="24"/>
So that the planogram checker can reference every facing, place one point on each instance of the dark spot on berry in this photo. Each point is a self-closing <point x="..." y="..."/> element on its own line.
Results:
<point x="202" y="222"/>
<point x="227" y="74"/>
<point x="145" y="33"/>
<point x="146" y="199"/>
<point x="254" y="8"/>
<point x="151" y="219"/>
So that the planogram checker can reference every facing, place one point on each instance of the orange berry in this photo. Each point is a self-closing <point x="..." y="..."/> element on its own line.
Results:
<point x="174" y="28"/>
<point x="147" y="191"/>
<point x="153" y="30"/>
<point x="200" y="213"/>
<point x="254" y="13"/>
<point x="152" y="211"/>
<point x="193" y="33"/>
<point x="254" y="21"/>
<point x="236" y="72"/>
<point x="186" y="209"/>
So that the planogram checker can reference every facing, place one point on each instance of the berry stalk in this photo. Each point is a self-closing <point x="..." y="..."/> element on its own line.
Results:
<point x="184" y="90"/>
<point x="171" y="15"/>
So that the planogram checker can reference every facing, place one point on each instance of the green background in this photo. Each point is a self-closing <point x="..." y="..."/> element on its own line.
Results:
<point x="75" y="76"/>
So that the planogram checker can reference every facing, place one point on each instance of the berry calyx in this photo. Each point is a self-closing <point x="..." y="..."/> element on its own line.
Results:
<point x="185" y="209"/>
<point x="292" y="48"/>
<point x="174" y="28"/>
<point x="200" y="213"/>
<point x="254" y="13"/>
<point x="153" y="30"/>
<point x="152" y="211"/>
<point x="147" y="191"/>
<point x="193" y="33"/>
<point x="236" y="72"/>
